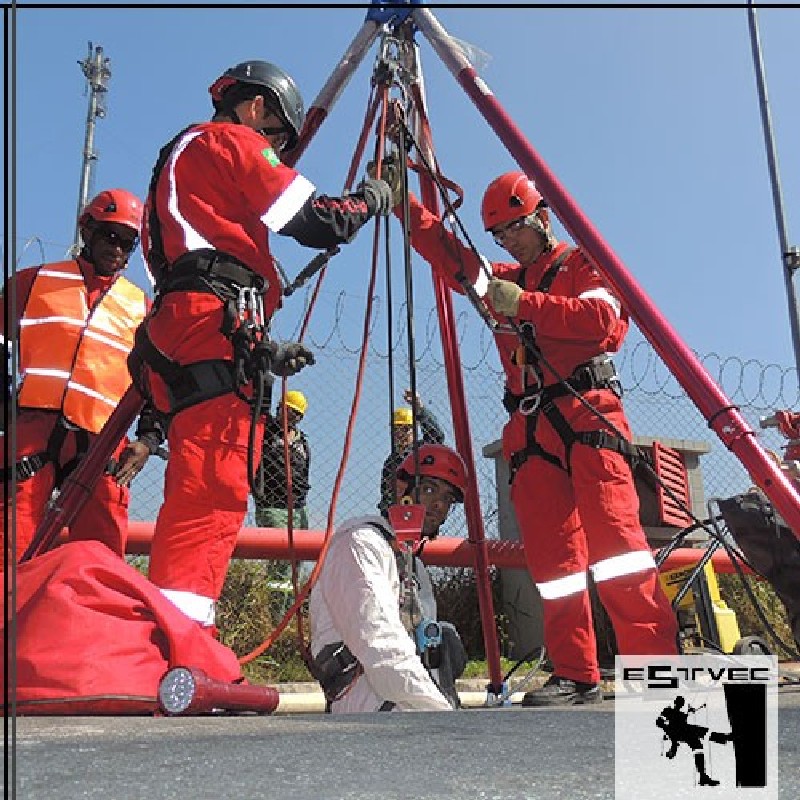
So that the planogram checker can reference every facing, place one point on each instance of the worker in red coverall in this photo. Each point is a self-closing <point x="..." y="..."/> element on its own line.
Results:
<point x="217" y="190"/>
<point x="571" y="480"/>
<point x="74" y="325"/>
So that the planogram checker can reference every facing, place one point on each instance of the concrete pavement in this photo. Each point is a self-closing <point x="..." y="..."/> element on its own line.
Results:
<point x="510" y="753"/>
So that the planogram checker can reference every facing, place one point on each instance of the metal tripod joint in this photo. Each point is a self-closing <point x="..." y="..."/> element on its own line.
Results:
<point x="396" y="62"/>
<point x="395" y="12"/>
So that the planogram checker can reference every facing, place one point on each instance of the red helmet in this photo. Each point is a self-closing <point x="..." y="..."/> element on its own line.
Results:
<point x="436" y="461"/>
<point x="509" y="197"/>
<point x="114" y="205"/>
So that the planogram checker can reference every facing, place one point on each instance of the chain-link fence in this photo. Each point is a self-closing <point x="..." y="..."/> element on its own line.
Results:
<point x="656" y="405"/>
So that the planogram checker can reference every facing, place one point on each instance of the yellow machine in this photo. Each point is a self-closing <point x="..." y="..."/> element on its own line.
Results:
<point x="703" y="616"/>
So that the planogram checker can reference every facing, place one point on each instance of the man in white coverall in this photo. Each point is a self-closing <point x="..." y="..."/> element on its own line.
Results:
<point x="375" y="642"/>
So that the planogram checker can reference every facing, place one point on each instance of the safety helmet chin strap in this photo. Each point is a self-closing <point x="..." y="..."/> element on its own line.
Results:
<point x="543" y="229"/>
<point x="88" y="233"/>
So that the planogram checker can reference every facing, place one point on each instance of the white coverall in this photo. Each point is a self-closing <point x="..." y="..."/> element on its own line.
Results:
<point x="356" y="601"/>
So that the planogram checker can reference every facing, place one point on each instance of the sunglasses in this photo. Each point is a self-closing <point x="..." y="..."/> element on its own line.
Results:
<point x="278" y="137"/>
<point x="125" y="243"/>
<point x="500" y="234"/>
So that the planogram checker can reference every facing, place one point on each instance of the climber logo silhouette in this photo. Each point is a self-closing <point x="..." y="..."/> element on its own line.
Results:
<point x="687" y="726"/>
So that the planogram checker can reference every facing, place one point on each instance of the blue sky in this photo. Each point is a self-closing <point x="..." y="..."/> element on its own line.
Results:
<point x="648" y="117"/>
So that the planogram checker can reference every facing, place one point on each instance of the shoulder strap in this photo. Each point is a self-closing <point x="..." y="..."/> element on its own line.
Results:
<point x="549" y="276"/>
<point x="547" y="279"/>
<point x="157" y="260"/>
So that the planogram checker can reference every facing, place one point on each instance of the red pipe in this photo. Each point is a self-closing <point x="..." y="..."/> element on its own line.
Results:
<point x="334" y="86"/>
<point x="80" y="483"/>
<point x="446" y="551"/>
<point x="722" y="416"/>
<point x="461" y="428"/>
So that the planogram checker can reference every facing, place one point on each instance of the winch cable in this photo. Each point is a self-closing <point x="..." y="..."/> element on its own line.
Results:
<point x="382" y="102"/>
<point x="451" y="216"/>
<point x="409" y="290"/>
<point x="737" y="558"/>
<point x="390" y="358"/>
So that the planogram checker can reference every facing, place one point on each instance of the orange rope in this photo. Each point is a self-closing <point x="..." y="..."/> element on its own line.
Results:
<point x="382" y="100"/>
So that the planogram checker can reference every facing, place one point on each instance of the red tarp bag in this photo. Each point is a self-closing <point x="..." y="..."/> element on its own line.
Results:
<point x="94" y="636"/>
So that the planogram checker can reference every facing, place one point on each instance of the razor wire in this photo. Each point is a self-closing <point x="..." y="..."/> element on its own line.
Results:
<point x="655" y="403"/>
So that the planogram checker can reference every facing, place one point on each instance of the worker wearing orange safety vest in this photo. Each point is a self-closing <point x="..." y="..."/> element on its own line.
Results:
<point x="217" y="190"/>
<point x="571" y="481"/>
<point x="74" y="329"/>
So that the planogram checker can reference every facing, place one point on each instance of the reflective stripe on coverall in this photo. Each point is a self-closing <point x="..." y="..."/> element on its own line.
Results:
<point x="587" y="518"/>
<point x="104" y="516"/>
<point x="222" y="188"/>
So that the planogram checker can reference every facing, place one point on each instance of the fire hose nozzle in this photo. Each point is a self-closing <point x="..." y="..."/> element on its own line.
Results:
<point x="187" y="690"/>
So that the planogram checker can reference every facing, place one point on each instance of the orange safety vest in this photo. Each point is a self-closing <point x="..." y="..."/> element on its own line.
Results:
<point x="73" y="357"/>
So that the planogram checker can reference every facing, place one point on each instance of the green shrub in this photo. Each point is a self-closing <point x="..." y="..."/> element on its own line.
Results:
<point x="734" y="594"/>
<point x="252" y="604"/>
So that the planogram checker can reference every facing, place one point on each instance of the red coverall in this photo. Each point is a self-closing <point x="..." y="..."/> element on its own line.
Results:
<point x="222" y="188"/>
<point x="104" y="516"/>
<point x="586" y="519"/>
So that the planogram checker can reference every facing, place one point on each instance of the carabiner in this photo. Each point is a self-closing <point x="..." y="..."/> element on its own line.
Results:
<point x="530" y="404"/>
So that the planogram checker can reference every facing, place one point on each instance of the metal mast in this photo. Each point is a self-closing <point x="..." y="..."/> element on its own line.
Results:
<point x="97" y="71"/>
<point x="790" y="256"/>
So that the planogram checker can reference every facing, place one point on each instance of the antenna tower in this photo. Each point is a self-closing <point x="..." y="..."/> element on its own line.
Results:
<point x="95" y="68"/>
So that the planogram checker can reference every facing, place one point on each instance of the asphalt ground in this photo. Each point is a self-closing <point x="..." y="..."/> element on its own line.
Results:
<point x="510" y="753"/>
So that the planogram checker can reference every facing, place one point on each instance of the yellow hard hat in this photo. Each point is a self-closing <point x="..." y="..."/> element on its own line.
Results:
<point x="297" y="401"/>
<point x="402" y="416"/>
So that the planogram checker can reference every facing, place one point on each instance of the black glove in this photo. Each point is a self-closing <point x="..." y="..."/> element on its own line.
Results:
<point x="378" y="196"/>
<point x="289" y="358"/>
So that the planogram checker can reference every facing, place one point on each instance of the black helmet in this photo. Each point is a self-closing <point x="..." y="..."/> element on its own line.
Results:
<point x="280" y="85"/>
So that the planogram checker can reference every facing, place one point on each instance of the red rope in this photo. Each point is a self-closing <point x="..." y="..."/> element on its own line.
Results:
<point x="300" y="597"/>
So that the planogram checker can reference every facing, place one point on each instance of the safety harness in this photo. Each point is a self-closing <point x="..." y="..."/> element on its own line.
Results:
<point x="237" y="287"/>
<point x="28" y="466"/>
<point x="150" y="430"/>
<point x="335" y="667"/>
<point x="598" y="373"/>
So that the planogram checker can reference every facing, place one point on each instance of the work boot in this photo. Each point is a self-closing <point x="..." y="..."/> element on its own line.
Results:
<point x="563" y="692"/>
<point x="700" y="764"/>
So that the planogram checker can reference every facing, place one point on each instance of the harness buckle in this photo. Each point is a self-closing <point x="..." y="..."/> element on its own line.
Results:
<point x="250" y="306"/>
<point x="530" y="404"/>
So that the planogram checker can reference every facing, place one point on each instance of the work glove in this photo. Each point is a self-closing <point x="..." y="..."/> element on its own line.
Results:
<point x="390" y="172"/>
<point x="504" y="296"/>
<point x="378" y="196"/>
<point x="289" y="358"/>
